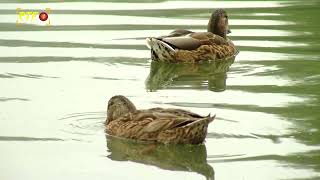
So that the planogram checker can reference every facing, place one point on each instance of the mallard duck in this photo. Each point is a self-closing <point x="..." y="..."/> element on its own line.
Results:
<point x="187" y="46"/>
<point x="168" y="126"/>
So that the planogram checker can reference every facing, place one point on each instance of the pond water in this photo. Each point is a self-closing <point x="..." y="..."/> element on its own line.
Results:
<point x="55" y="82"/>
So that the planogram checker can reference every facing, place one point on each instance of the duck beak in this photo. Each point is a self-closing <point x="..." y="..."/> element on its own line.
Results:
<point x="228" y="31"/>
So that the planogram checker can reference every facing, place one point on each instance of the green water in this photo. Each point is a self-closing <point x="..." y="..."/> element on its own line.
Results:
<point x="56" y="81"/>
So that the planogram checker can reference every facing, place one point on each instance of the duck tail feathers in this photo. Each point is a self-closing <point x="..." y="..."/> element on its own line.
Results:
<point x="161" y="51"/>
<point x="205" y="120"/>
<point x="211" y="118"/>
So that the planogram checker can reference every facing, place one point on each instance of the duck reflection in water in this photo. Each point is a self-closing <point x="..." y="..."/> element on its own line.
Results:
<point x="211" y="75"/>
<point x="170" y="157"/>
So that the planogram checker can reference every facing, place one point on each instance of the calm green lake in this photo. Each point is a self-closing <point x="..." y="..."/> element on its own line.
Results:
<point x="55" y="82"/>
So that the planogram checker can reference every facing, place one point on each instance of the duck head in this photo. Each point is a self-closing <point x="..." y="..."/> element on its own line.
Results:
<point x="119" y="106"/>
<point x="218" y="23"/>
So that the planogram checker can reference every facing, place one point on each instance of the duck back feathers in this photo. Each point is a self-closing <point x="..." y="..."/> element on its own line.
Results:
<point x="190" y="50"/>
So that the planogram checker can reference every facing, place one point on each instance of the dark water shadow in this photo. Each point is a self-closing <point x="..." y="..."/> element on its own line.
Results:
<point x="5" y="99"/>
<point x="20" y="138"/>
<point x="46" y="59"/>
<point x="169" y="157"/>
<point x="211" y="75"/>
<point x="30" y="76"/>
<point x="301" y="160"/>
<point x="24" y="43"/>
<point x="26" y="1"/>
<point x="32" y="27"/>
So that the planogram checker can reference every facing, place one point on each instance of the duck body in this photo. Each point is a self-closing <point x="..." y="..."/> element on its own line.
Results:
<point x="187" y="46"/>
<point x="168" y="126"/>
<point x="188" y="49"/>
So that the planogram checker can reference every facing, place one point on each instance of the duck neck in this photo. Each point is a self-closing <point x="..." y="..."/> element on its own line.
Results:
<point x="214" y="28"/>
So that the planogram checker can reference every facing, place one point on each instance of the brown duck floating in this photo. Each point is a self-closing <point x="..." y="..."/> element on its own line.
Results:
<point x="187" y="46"/>
<point x="169" y="126"/>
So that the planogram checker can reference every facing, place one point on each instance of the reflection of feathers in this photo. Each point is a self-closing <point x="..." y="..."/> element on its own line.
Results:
<point x="169" y="157"/>
<point x="166" y="75"/>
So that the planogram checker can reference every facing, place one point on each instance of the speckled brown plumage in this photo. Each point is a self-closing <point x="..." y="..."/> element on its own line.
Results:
<point x="169" y="126"/>
<point x="191" y="47"/>
<point x="205" y="52"/>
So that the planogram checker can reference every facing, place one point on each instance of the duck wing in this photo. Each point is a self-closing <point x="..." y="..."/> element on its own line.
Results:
<point x="162" y="124"/>
<point x="209" y="38"/>
<point x="177" y="112"/>
<point x="176" y="33"/>
<point x="163" y="119"/>
<point x="194" y="40"/>
<point x="183" y="42"/>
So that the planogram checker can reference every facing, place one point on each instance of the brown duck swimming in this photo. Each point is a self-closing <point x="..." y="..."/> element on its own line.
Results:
<point x="168" y="126"/>
<point x="187" y="46"/>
